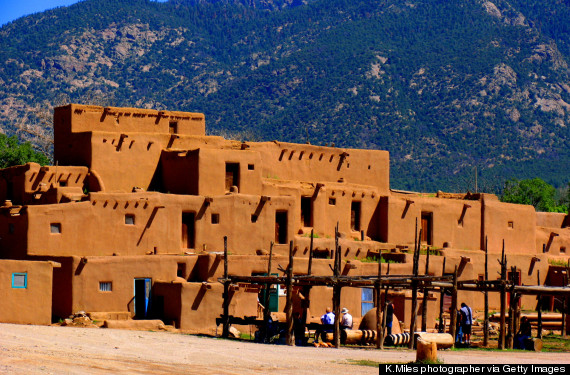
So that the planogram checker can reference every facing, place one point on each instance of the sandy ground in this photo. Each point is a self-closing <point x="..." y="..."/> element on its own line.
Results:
<point x="66" y="350"/>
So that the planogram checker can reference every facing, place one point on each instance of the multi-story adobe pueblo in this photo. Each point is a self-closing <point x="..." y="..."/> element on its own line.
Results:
<point x="130" y="222"/>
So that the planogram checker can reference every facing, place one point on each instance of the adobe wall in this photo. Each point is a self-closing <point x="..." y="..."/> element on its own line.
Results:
<point x="203" y="171"/>
<point x="551" y="219"/>
<point x="32" y="183"/>
<point x="121" y="272"/>
<point x="77" y="118"/>
<point x="553" y="241"/>
<point x="514" y="223"/>
<point x="290" y="161"/>
<point x="30" y="304"/>
<point x="144" y="223"/>
<point x="455" y="223"/>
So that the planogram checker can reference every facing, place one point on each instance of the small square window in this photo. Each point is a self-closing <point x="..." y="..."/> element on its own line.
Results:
<point x="562" y="250"/>
<point x="511" y="225"/>
<point x="251" y="167"/>
<point x="130" y="219"/>
<point x="55" y="228"/>
<point x="332" y="201"/>
<point x="105" y="286"/>
<point x="63" y="183"/>
<point x="19" y="280"/>
<point x="215" y="218"/>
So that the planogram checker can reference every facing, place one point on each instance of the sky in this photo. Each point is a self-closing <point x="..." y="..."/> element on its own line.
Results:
<point x="14" y="9"/>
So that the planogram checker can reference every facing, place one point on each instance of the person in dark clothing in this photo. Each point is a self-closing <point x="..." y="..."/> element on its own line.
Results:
<point x="524" y="333"/>
<point x="389" y="317"/>
<point x="298" y="329"/>
<point x="466" y="322"/>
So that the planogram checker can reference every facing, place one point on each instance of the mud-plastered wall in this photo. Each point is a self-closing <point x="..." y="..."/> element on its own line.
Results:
<point x="26" y="290"/>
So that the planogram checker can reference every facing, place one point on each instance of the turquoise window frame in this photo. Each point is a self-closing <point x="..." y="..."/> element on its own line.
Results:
<point x="14" y="275"/>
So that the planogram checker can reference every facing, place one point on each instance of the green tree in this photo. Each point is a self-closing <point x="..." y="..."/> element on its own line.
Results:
<point x="13" y="152"/>
<point x="535" y="192"/>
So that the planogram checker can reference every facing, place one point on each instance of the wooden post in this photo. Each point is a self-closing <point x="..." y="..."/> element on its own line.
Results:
<point x="336" y="298"/>
<point x="266" y="310"/>
<point x="377" y="290"/>
<point x="384" y="312"/>
<point x="503" y="296"/>
<point x="539" y="308"/>
<point x="289" y="298"/>
<point x="441" y="297"/>
<point x="414" y="286"/>
<point x="307" y="289"/>
<point x="226" y="317"/>
<point x="486" y="312"/>
<point x="453" y="310"/>
<point x="564" y="306"/>
<point x="425" y="299"/>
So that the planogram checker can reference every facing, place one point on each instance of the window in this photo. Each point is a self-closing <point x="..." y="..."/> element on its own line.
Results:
<point x="367" y="300"/>
<point x="562" y="250"/>
<point x="130" y="219"/>
<point x="511" y="225"/>
<point x="215" y="218"/>
<point x="19" y="280"/>
<point x="105" y="286"/>
<point x="332" y="201"/>
<point x="251" y="167"/>
<point x="173" y="127"/>
<point x="427" y="227"/>
<point x="55" y="228"/>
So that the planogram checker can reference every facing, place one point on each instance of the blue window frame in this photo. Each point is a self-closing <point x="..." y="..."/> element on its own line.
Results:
<point x="19" y="280"/>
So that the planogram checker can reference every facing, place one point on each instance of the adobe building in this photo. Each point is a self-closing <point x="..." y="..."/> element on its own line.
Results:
<point x="135" y="211"/>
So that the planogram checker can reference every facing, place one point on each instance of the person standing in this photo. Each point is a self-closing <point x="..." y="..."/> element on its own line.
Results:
<point x="466" y="322"/>
<point x="389" y="317"/>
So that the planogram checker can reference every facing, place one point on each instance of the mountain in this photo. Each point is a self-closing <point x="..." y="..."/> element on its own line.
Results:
<point x="453" y="89"/>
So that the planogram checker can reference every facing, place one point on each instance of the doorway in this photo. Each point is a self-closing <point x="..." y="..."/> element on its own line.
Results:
<point x="188" y="230"/>
<point x="427" y="227"/>
<point x="232" y="176"/>
<point x="142" y="297"/>
<point x="281" y="227"/>
<point x="307" y="211"/>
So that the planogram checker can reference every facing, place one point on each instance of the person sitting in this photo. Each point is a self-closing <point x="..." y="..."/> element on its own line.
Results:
<point x="524" y="333"/>
<point x="327" y="325"/>
<point x="345" y="323"/>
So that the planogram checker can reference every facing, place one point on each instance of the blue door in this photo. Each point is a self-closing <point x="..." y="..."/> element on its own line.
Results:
<point x="142" y="297"/>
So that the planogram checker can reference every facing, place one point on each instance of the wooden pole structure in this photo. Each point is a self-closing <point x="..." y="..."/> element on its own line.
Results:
<point x="539" y="308"/>
<point x="512" y="310"/>
<point x="564" y="305"/>
<point x="307" y="289"/>
<point x="414" y="286"/>
<point x="441" y="297"/>
<point x="503" y="296"/>
<point x="226" y="297"/>
<point x="266" y="310"/>
<point x="384" y="312"/>
<point x="453" y="310"/>
<point x="425" y="299"/>
<point x="378" y="289"/>
<point x="289" y="297"/>
<point x="486" y="312"/>
<point x="336" y="292"/>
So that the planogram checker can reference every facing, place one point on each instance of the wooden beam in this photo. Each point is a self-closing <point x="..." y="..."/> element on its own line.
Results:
<point x="486" y="309"/>
<point x="226" y="296"/>
<point x="289" y="298"/>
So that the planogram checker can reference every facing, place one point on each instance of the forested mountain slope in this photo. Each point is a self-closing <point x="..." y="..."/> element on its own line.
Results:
<point x="445" y="86"/>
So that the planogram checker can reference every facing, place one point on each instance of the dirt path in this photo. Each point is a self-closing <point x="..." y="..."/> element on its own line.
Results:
<point x="66" y="350"/>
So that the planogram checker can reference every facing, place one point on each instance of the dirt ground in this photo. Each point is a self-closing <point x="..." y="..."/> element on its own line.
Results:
<point x="67" y="350"/>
